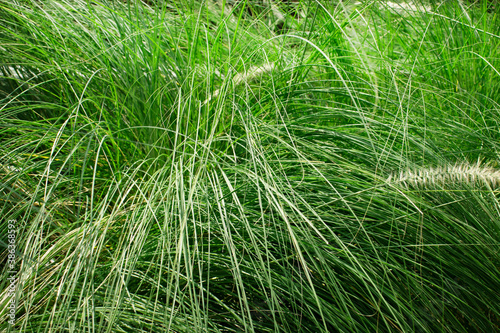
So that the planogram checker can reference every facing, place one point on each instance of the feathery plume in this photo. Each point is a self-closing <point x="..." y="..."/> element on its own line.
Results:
<point x="461" y="173"/>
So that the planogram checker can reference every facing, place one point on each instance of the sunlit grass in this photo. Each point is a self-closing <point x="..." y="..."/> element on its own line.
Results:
<point x="250" y="167"/>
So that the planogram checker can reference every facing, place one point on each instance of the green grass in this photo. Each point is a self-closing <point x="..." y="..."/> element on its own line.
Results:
<point x="247" y="166"/>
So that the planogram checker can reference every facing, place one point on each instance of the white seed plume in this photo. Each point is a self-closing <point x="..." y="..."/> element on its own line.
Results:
<point x="248" y="76"/>
<point x="459" y="173"/>
<point x="405" y="7"/>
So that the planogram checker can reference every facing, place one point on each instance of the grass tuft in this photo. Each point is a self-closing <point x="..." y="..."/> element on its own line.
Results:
<point x="249" y="166"/>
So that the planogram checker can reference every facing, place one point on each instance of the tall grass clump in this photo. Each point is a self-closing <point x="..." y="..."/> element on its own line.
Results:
<point x="244" y="166"/>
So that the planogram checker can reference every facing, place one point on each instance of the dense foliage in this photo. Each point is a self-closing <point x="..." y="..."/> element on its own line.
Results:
<point x="250" y="166"/>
